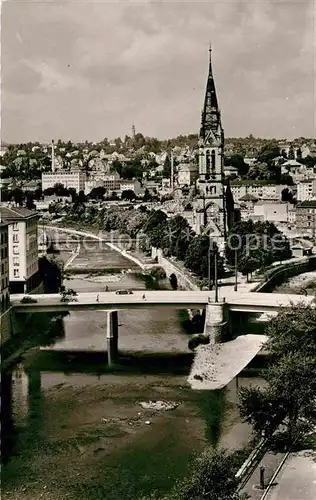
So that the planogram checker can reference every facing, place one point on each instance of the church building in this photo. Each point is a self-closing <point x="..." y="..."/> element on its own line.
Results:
<point x="214" y="205"/>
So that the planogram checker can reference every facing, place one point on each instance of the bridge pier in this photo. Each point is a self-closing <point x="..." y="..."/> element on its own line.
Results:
<point x="215" y="320"/>
<point x="112" y="336"/>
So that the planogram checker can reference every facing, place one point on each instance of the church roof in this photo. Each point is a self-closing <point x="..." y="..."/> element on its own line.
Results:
<point x="211" y="119"/>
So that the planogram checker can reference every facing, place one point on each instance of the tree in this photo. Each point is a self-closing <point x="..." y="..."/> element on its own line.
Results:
<point x="97" y="193"/>
<point x="293" y="331"/>
<point x="167" y="168"/>
<point x="248" y="264"/>
<point x="290" y="395"/>
<point x="237" y="161"/>
<point x="257" y="244"/>
<point x="291" y="154"/>
<point x="286" y="179"/>
<point x="155" y="217"/>
<point x="60" y="190"/>
<point x="17" y="195"/>
<point x="309" y="161"/>
<point x="128" y="195"/>
<point x="268" y="152"/>
<point x="212" y="477"/>
<point x="147" y="196"/>
<point x="30" y="202"/>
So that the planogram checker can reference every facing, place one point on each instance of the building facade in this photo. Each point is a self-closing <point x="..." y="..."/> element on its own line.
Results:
<point x="131" y="185"/>
<point x="4" y="279"/>
<point x="306" y="218"/>
<point x="306" y="190"/>
<point x="256" y="188"/>
<point x="23" y="248"/>
<point x="272" y="212"/>
<point x="75" y="180"/>
<point x="187" y="174"/>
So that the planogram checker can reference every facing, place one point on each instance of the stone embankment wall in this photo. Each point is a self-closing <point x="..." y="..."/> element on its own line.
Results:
<point x="185" y="282"/>
<point x="277" y="276"/>
<point x="6" y="324"/>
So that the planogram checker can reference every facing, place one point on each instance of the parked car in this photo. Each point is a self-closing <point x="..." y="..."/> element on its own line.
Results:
<point x="124" y="292"/>
<point x="28" y="300"/>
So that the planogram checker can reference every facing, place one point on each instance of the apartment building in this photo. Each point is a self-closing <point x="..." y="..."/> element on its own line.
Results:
<point x="259" y="189"/>
<point x="74" y="179"/>
<point x="306" y="218"/>
<point x="4" y="278"/>
<point x="131" y="185"/>
<point x="272" y="212"/>
<point x="23" y="248"/>
<point x="187" y="174"/>
<point x="306" y="190"/>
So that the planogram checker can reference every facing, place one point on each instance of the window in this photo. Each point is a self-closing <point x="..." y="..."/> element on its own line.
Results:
<point x="16" y="273"/>
<point x="15" y="249"/>
<point x="16" y="261"/>
<point x="15" y="226"/>
<point x="207" y="162"/>
<point x="15" y="238"/>
<point x="213" y="159"/>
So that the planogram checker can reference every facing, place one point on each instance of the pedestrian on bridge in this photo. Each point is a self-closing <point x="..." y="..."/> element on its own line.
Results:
<point x="144" y="296"/>
<point x="97" y="298"/>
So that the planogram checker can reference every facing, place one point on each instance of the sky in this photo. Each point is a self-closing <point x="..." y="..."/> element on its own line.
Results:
<point x="89" y="69"/>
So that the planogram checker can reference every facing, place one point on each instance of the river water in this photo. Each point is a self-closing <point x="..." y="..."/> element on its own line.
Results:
<point x="81" y="431"/>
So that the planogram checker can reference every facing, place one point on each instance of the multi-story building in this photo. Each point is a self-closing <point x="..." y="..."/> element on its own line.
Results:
<point x="272" y="212"/>
<point x="74" y="179"/>
<point x="306" y="218"/>
<point x="187" y="173"/>
<point x="4" y="279"/>
<point x="131" y="185"/>
<point x="259" y="189"/>
<point x="112" y="182"/>
<point x="23" y="248"/>
<point x="306" y="190"/>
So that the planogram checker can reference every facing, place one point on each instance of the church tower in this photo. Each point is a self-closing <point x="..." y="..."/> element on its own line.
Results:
<point x="211" y="159"/>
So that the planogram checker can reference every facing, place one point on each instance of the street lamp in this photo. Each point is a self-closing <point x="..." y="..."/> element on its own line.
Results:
<point x="236" y="273"/>
<point x="209" y="265"/>
<point x="215" y="271"/>
<point x="215" y="251"/>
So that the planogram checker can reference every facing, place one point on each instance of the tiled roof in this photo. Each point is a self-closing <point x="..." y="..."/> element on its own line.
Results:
<point x="7" y="213"/>
<point x="248" y="197"/>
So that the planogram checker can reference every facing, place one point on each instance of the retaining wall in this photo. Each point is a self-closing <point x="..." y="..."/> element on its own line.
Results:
<point x="277" y="276"/>
<point x="184" y="281"/>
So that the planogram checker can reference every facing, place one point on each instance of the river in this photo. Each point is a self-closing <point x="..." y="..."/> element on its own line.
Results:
<point x="81" y="431"/>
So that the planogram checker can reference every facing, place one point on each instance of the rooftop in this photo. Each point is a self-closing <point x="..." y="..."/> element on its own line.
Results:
<point x="307" y="204"/>
<point x="14" y="213"/>
<point x="248" y="197"/>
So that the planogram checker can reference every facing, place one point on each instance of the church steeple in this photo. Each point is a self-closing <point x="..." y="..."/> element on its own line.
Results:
<point x="211" y="118"/>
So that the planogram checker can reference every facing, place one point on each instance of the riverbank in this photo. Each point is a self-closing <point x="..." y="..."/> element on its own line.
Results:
<point x="83" y="433"/>
<point x="111" y="447"/>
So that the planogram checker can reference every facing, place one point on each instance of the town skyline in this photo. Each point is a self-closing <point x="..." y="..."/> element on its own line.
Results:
<point x="89" y="70"/>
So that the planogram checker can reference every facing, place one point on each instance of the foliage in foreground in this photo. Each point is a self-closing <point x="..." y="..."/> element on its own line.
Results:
<point x="289" y="397"/>
<point x="212" y="477"/>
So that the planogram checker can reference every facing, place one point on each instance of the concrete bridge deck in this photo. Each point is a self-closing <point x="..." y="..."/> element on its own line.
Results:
<point x="235" y="301"/>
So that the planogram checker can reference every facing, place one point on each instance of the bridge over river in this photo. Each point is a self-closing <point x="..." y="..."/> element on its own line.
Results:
<point x="177" y="299"/>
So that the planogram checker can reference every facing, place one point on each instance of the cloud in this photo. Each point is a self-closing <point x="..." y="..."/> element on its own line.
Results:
<point x="96" y="67"/>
